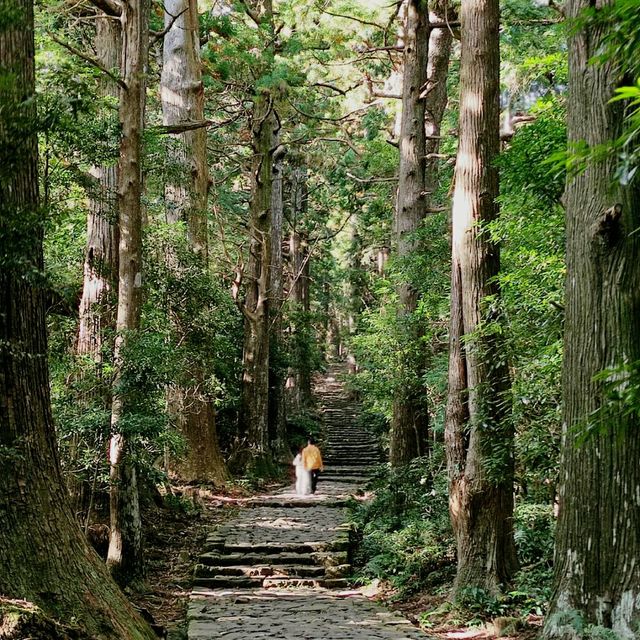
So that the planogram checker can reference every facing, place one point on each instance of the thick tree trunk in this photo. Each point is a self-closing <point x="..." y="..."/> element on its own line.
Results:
<point x="410" y="418"/>
<point x="182" y="94"/>
<point x="265" y="125"/>
<point x="43" y="554"/>
<point x="255" y="380"/>
<point x="125" y="556"/>
<point x="101" y="258"/>
<point x="597" y="556"/>
<point x="277" y="417"/>
<point x="100" y="283"/>
<point x="478" y="431"/>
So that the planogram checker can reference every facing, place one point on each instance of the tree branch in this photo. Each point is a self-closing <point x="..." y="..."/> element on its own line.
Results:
<point x="371" y="180"/>
<point x="180" y="127"/>
<point x="90" y="59"/>
<point x="157" y="35"/>
<point x="251" y="13"/>
<point x="110" y="7"/>
<point x="360" y="20"/>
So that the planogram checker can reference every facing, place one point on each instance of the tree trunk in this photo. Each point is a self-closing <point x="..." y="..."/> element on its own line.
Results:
<point x="265" y="125"/>
<point x="100" y="282"/>
<point x="125" y="556"/>
<point x="409" y="422"/>
<point x="597" y="556"/>
<point x="277" y="418"/>
<point x="255" y="381"/>
<point x="182" y="94"/>
<point x="440" y="41"/>
<point x="101" y="258"/>
<point x="44" y="556"/>
<point x="478" y="430"/>
<point x="300" y="379"/>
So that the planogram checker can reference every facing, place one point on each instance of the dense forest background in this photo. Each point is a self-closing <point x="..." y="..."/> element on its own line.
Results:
<point x="205" y="202"/>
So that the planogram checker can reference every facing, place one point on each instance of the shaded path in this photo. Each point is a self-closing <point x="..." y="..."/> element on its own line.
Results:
<point x="278" y="569"/>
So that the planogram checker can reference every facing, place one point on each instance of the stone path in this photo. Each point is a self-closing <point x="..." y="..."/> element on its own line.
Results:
<point x="278" y="569"/>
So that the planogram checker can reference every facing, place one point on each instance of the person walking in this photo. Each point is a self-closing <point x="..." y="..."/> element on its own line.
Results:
<point x="312" y="460"/>
<point x="303" y="477"/>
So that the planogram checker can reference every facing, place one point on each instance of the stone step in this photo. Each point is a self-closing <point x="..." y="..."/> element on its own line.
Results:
<point x="229" y="559"/>
<point x="259" y="571"/>
<point x="270" y="582"/>
<point x="228" y="582"/>
<point x="327" y="583"/>
<point x="355" y="448"/>
<point x="349" y="462"/>
<point x="347" y="470"/>
<point x="339" y="543"/>
<point x="356" y="481"/>
<point x="219" y="545"/>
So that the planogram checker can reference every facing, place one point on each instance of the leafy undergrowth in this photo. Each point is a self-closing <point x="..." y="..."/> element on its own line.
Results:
<point x="406" y="556"/>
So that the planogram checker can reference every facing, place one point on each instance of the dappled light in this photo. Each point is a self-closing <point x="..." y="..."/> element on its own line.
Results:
<point x="319" y="319"/>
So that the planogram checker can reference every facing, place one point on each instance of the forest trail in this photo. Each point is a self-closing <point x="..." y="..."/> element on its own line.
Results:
<point x="278" y="569"/>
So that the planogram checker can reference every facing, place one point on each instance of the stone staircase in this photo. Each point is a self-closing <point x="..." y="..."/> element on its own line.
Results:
<point x="278" y="546"/>
<point x="284" y="540"/>
<point x="350" y="452"/>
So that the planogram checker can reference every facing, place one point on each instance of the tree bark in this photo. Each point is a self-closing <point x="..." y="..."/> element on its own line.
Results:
<point x="182" y="94"/>
<point x="125" y="555"/>
<point x="409" y="423"/>
<point x="101" y="257"/>
<point x="597" y="555"/>
<point x="255" y="380"/>
<point x="300" y="380"/>
<point x="478" y="430"/>
<point x="440" y="41"/>
<point x="277" y="416"/>
<point x="44" y="556"/>
<point x="100" y="279"/>
<point x="265" y="125"/>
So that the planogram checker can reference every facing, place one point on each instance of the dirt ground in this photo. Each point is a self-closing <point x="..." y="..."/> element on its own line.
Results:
<point x="443" y="623"/>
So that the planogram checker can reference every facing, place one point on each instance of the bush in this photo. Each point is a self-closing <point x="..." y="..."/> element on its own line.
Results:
<point x="405" y="534"/>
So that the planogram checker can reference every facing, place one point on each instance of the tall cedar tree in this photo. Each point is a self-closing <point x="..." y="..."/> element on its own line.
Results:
<point x="100" y="278"/>
<point x="182" y="94"/>
<point x="597" y="557"/>
<point x="125" y="555"/>
<point x="265" y="127"/>
<point x="277" y="409"/>
<point x="299" y="381"/>
<point x="478" y="430"/>
<point x="409" y="423"/>
<point x="45" y="558"/>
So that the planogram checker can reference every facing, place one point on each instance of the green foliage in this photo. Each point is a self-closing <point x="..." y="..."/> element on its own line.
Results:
<point x="405" y="531"/>
<point x="534" y="529"/>
<point x="627" y="143"/>
<point x="531" y="232"/>
<point x="620" y="388"/>
<point x="481" y="606"/>
<point x="572" y="623"/>
<point x="301" y="426"/>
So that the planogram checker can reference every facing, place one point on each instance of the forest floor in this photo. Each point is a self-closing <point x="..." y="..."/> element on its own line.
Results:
<point x="446" y="625"/>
